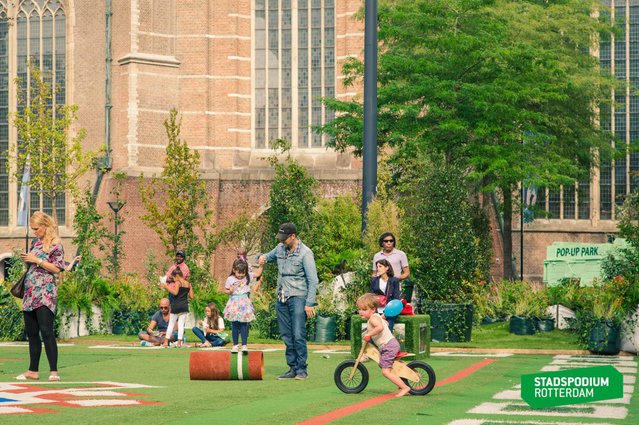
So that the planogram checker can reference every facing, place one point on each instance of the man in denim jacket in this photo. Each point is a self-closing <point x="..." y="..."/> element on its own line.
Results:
<point x="296" y="290"/>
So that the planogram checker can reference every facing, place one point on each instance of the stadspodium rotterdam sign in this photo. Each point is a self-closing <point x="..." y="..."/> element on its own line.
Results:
<point x="574" y="386"/>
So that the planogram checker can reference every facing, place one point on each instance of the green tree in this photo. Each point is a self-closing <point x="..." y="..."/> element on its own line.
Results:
<point x="506" y="88"/>
<point x="293" y="196"/>
<point x="177" y="202"/>
<point x="54" y="153"/>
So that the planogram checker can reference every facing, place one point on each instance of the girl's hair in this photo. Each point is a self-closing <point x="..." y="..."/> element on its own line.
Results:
<point x="177" y="272"/>
<point x="241" y="266"/>
<point x="385" y="263"/>
<point x="241" y="253"/>
<point x="50" y="237"/>
<point x="367" y="302"/>
<point x="212" y="321"/>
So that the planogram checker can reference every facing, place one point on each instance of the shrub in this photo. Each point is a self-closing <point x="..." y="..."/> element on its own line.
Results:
<point x="11" y="321"/>
<point x="439" y="236"/>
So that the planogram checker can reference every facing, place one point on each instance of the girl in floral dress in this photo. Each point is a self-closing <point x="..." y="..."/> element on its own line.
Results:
<point x="239" y="310"/>
<point x="44" y="261"/>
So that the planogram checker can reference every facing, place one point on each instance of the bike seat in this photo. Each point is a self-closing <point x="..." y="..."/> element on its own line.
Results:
<point x="402" y="354"/>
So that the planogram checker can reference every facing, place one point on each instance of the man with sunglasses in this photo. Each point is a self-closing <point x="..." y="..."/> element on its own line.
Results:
<point x="161" y="320"/>
<point x="397" y="259"/>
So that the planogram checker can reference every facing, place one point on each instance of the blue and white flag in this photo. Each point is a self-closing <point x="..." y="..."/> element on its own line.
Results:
<point x="23" y="201"/>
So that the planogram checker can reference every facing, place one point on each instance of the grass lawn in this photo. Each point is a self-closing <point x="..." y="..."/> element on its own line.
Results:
<point x="496" y="335"/>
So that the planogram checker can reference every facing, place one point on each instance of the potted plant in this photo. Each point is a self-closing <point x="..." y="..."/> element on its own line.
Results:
<point x="603" y="311"/>
<point x="525" y="304"/>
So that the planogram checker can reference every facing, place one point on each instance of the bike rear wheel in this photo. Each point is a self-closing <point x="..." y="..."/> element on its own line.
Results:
<point x="342" y="377"/>
<point x="426" y="378"/>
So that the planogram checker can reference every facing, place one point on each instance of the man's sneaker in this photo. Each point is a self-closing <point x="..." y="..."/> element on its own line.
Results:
<point x="244" y="348"/>
<point x="234" y="349"/>
<point x="288" y="375"/>
<point x="301" y="375"/>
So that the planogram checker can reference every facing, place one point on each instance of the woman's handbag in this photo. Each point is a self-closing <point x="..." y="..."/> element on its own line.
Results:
<point x="381" y="300"/>
<point x="17" y="290"/>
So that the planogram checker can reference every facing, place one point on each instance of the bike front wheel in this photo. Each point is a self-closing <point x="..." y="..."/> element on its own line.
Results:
<point x="347" y="384"/>
<point x="426" y="380"/>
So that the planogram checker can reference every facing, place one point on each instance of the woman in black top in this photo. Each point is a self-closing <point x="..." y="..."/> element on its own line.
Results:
<point x="182" y="291"/>
<point x="385" y="283"/>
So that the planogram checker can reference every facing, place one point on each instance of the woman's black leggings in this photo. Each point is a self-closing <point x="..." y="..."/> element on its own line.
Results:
<point x="36" y="322"/>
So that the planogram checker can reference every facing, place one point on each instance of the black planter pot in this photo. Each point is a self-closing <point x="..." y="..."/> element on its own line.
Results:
<point x="450" y="322"/>
<point x="522" y="325"/>
<point x="544" y="325"/>
<point x="604" y="338"/>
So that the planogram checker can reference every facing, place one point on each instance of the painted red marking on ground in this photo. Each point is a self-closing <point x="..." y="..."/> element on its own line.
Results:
<point x="353" y="408"/>
<point x="464" y="373"/>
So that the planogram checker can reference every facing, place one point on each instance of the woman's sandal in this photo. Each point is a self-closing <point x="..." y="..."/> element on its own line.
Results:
<point x="54" y="378"/>
<point x="27" y="377"/>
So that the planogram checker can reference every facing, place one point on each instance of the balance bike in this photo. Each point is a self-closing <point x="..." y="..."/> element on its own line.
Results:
<point x="351" y="376"/>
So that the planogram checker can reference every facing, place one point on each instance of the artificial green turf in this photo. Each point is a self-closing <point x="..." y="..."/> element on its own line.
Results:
<point x="268" y="401"/>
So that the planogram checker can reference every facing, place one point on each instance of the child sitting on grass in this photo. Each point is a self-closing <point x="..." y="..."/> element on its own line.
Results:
<point x="377" y="330"/>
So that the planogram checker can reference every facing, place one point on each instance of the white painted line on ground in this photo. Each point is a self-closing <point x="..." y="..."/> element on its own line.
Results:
<point x="595" y="411"/>
<point x="8" y="410"/>
<point x="589" y="363"/>
<point x="555" y="368"/>
<point x="490" y="421"/>
<point x="331" y="352"/>
<point x="454" y="354"/>
<point x="98" y="403"/>
<point x="95" y="393"/>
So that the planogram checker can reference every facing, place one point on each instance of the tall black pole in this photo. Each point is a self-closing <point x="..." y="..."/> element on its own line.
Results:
<point x="115" y="244"/>
<point x="521" y="234"/>
<point x="369" y="179"/>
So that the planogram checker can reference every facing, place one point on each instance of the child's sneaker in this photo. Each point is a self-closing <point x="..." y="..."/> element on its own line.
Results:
<point x="234" y="349"/>
<point x="244" y="348"/>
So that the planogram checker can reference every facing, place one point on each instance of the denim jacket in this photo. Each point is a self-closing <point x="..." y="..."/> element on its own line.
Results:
<point x="297" y="275"/>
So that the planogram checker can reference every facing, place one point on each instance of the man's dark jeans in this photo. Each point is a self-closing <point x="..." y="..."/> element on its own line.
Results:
<point x="291" y="319"/>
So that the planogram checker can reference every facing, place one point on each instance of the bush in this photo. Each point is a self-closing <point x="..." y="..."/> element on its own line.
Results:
<point x="11" y="321"/>
<point x="439" y="237"/>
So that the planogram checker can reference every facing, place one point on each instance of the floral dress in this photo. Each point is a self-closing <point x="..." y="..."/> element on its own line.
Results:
<point x="40" y="288"/>
<point x="239" y="307"/>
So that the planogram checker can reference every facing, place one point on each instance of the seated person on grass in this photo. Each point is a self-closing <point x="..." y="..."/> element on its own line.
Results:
<point x="161" y="320"/>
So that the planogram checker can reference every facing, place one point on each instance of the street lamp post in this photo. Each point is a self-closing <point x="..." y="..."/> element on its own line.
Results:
<point x="115" y="206"/>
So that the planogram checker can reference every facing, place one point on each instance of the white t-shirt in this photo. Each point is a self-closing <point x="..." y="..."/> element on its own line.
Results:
<point x="220" y="323"/>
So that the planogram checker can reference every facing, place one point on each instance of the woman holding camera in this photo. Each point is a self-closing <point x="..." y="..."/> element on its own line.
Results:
<point x="44" y="261"/>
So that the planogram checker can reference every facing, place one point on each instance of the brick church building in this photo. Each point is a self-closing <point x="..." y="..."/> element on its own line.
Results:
<point x="241" y="73"/>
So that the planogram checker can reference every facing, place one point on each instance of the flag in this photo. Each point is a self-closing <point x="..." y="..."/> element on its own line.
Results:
<point x="23" y="202"/>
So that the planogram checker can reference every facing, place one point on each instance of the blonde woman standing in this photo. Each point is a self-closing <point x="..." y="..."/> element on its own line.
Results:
<point x="44" y="261"/>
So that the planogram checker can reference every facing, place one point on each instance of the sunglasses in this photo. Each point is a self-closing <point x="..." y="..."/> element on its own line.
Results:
<point x="388" y="240"/>
<point x="164" y="308"/>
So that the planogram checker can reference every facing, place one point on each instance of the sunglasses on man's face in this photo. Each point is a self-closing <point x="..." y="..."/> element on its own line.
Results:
<point x="388" y="240"/>
<point x="164" y="308"/>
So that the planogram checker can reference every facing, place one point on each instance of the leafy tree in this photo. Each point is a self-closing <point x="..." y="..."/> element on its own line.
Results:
<point x="55" y="157"/>
<point x="507" y="89"/>
<point x="293" y="196"/>
<point x="177" y="203"/>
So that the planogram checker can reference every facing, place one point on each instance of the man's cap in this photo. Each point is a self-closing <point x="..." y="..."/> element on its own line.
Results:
<point x="286" y="230"/>
<point x="180" y="253"/>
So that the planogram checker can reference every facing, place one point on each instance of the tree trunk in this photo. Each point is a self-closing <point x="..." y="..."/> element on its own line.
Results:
<point x="508" y="233"/>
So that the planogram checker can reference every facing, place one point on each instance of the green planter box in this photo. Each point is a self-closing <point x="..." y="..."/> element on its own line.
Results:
<point x="412" y="332"/>
<point x="604" y="338"/>
<point x="450" y="322"/>
<point x="325" y="328"/>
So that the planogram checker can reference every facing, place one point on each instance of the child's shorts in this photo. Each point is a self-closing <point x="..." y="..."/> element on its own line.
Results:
<point x="388" y="353"/>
